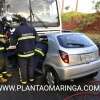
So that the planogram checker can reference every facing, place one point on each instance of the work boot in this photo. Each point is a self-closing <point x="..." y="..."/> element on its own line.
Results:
<point x="31" y="81"/>
<point x="23" y="82"/>
<point x="2" y="79"/>
<point x="6" y="74"/>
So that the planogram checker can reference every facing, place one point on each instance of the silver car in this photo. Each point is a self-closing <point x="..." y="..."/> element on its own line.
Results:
<point x="70" y="55"/>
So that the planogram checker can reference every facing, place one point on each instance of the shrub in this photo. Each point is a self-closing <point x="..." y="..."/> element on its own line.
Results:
<point x="81" y="19"/>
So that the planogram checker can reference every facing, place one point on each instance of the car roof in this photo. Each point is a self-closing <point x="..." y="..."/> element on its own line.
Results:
<point x="55" y="34"/>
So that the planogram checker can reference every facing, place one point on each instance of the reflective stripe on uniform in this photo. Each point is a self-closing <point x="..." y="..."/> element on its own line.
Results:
<point x="26" y="55"/>
<point x="26" y="37"/>
<point x="4" y="72"/>
<point x="2" y="36"/>
<point x="39" y="51"/>
<point x="2" y="48"/>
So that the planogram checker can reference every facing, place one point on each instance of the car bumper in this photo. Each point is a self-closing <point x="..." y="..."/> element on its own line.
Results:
<point x="72" y="72"/>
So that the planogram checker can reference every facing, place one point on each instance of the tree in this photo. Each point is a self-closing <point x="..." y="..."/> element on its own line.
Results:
<point x="97" y="6"/>
<point x="76" y="5"/>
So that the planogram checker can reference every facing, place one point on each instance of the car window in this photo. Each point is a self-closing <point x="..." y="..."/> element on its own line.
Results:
<point x="43" y="12"/>
<point x="74" y="41"/>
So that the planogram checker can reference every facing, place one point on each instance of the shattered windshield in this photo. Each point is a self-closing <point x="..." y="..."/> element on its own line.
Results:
<point x="41" y="11"/>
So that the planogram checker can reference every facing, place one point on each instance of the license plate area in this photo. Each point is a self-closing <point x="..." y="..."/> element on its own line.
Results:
<point x="86" y="58"/>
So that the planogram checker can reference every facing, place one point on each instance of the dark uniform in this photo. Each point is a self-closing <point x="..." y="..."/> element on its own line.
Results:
<point x="3" y="59"/>
<point x="6" y="30"/>
<point x="25" y="39"/>
<point x="41" y="51"/>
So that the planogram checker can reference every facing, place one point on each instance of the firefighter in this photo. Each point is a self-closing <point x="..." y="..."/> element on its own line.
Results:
<point x="24" y="37"/>
<point x="6" y="32"/>
<point x="41" y="51"/>
<point x="3" y="61"/>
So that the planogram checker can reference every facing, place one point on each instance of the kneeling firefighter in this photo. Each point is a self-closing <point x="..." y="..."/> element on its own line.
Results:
<point x="24" y="37"/>
<point x="40" y="52"/>
<point x="3" y="59"/>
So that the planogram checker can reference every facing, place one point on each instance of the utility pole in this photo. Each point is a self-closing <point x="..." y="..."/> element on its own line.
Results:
<point x="76" y="8"/>
<point x="30" y="7"/>
<point x="1" y="7"/>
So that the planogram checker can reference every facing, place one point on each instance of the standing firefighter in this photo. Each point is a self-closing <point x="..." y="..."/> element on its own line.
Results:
<point x="24" y="38"/>
<point x="3" y="58"/>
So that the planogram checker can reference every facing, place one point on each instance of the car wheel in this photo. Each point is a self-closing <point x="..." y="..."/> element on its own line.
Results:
<point x="93" y="75"/>
<point x="51" y="77"/>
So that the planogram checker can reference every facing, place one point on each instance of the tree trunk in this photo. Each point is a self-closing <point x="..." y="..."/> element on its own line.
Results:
<point x="76" y="9"/>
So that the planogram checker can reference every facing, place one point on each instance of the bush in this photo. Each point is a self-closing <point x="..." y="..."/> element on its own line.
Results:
<point x="70" y="16"/>
<point x="80" y="19"/>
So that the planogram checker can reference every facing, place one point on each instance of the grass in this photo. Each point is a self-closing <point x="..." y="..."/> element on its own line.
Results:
<point x="94" y="36"/>
<point x="70" y="15"/>
<point x="83" y="19"/>
<point x="78" y="15"/>
<point x="80" y="19"/>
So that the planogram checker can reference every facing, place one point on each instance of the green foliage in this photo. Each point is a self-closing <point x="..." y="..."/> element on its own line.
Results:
<point x="81" y="19"/>
<point x="70" y="15"/>
<point x="78" y="29"/>
<point x="66" y="17"/>
<point x="95" y="36"/>
<point x="97" y="6"/>
<point x="87" y="19"/>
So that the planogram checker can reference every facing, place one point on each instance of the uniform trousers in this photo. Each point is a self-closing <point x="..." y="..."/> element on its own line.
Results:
<point x="27" y="68"/>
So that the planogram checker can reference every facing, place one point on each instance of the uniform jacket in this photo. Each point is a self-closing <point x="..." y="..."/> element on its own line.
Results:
<point x="24" y="38"/>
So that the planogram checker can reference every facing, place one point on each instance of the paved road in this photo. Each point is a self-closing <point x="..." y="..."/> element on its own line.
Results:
<point x="47" y="95"/>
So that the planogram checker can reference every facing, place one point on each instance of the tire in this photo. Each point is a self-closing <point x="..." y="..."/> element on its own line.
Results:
<point x="93" y="75"/>
<point x="51" y="77"/>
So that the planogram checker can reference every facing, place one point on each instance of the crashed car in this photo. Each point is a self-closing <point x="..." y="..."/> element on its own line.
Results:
<point x="70" y="55"/>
